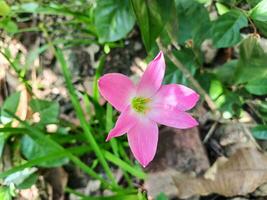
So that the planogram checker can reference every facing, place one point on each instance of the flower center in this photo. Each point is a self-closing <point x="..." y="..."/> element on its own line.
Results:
<point x="139" y="104"/>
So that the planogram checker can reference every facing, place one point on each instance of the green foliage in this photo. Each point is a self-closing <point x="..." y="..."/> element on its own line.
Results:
<point x="4" y="8"/>
<point x="252" y="62"/>
<point x="151" y="17"/>
<point x="33" y="149"/>
<point x="161" y="196"/>
<point x="189" y="27"/>
<point x="226" y="72"/>
<point x="226" y="29"/>
<point x="257" y="87"/>
<point x="260" y="132"/>
<point x="2" y="143"/>
<point x="48" y="111"/>
<point x="234" y="79"/>
<point x="259" y="16"/>
<point x="259" y="11"/>
<point x="173" y="74"/>
<point x="113" y="19"/>
<point x="20" y="177"/>
<point x="10" y="104"/>
<point x="222" y="9"/>
<point x="5" y="193"/>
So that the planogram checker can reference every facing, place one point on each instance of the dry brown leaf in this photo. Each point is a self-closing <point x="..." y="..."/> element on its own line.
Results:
<point x="241" y="174"/>
<point x="23" y="108"/>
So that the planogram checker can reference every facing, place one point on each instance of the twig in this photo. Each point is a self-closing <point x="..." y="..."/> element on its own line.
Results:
<point x="248" y="133"/>
<point x="212" y="129"/>
<point x="188" y="75"/>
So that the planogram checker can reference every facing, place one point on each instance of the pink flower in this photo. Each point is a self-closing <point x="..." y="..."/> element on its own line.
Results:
<point x="146" y="104"/>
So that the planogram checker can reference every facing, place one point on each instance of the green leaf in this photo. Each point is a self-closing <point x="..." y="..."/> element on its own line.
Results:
<point x="84" y="124"/>
<point x="262" y="26"/>
<point x="188" y="26"/>
<point x="2" y="143"/>
<point x="257" y="87"/>
<point x="10" y="104"/>
<point x="30" y="7"/>
<point x="230" y="3"/>
<point x="259" y="12"/>
<point x="222" y="9"/>
<point x="151" y="17"/>
<point x="20" y="176"/>
<point x="5" y="193"/>
<point x="8" y="25"/>
<point x="253" y="3"/>
<point x="231" y="104"/>
<point x="32" y="149"/>
<point x="114" y="19"/>
<point x="226" y="29"/>
<point x="226" y="72"/>
<point x="48" y="110"/>
<point x="216" y="89"/>
<point x="173" y="74"/>
<point x="260" y="132"/>
<point x="252" y="62"/>
<point x="161" y="196"/>
<point x="28" y="182"/>
<point x="4" y="8"/>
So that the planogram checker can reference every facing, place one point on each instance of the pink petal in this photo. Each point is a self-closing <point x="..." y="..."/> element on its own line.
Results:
<point x="152" y="77"/>
<point x="143" y="140"/>
<point x="171" y="116"/>
<point x="179" y="96"/>
<point x="117" y="89"/>
<point x="126" y="120"/>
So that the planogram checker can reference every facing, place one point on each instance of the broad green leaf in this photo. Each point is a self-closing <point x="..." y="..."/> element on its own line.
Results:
<point x="216" y="89"/>
<point x="216" y="92"/>
<point x="252" y="64"/>
<point x="260" y="132"/>
<point x="262" y="27"/>
<point x="173" y="74"/>
<point x="257" y="87"/>
<point x="4" y="193"/>
<point x="204" y="1"/>
<point x="226" y="29"/>
<point x="259" y="12"/>
<point x="253" y="3"/>
<point x="28" y="182"/>
<point x="263" y="107"/>
<point x="225" y="73"/>
<point x="20" y="176"/>
<point x="161" y="196"/>
<point x="4" y="8"/>
<point x="30" y="7"/>
<point x="151" y="17"/>
<point x="222" y="9"/>
<point x="2" y="143"/>
<point x="230" y="3"/>
<point x="113" y="19"/>
<point x="8" y="25"/>
<point x="48" y="110"/>
<point x="188" y="26"/>
<point x="231" y="104"/>
<point x="34" y="149"/>
<point x="10" y="104"/>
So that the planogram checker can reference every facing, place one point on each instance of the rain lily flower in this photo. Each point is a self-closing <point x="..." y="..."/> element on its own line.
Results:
<point x="146" y="104"/>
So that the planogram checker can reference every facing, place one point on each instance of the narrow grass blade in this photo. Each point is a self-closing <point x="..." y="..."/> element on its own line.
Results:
<point x="79" y="112"/>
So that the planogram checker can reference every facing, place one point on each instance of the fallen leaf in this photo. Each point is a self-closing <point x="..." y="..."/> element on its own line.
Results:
<point x="241" y="174"/>
<point x="23" y="108"/>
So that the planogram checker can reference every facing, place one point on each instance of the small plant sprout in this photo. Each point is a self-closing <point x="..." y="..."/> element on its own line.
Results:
<point x="145" y="105"/>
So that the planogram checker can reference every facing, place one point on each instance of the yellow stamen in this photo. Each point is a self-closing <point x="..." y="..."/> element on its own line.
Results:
<point x="139" y="104"/>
